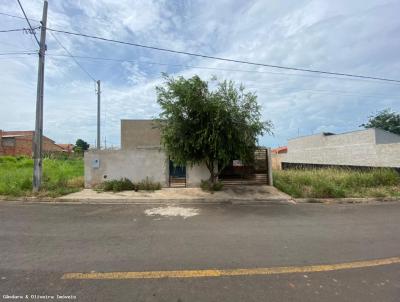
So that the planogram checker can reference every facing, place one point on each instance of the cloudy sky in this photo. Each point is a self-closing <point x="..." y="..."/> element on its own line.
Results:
<point x="359" y="37"/>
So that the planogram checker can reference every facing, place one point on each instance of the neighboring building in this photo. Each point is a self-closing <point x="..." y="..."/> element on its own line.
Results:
<point x="363" y="148"/>
<point x="68" y="148"/>
<point x="279" y="150"/>
<point x="17" y="143"/>
<point x="141" y="155"/>
<point x="277" y="156"/>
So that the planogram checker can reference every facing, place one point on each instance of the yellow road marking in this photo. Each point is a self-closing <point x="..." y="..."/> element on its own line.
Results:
<point x="232" y="272"/>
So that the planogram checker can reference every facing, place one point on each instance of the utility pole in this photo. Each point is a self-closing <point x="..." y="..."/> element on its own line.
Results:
<point x="98" y="114"/>
<point x="38" y="137"/>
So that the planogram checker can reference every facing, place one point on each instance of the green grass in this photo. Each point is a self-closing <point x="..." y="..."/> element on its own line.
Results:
<point x="338" y="183"/>
<point x="60" y="176"/>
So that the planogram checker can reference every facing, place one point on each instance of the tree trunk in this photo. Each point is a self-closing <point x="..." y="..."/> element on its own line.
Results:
<point x="213" y="176"/>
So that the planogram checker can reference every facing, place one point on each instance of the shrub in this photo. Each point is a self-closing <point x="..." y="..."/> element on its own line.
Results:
<point x="207" y="185"/>
<point x="125" y="184"/>
<point x="115" y="185"/>
<point x="148" y="185"/>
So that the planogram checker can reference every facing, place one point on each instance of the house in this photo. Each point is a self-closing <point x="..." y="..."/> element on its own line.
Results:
<point x="141" y="155"/>
<point x="67" y="148"/>
<point x="279" y="150"/>
<point x="19" y="143"/>
<point x="277" y="155"/>
<point x="362" y="148"/>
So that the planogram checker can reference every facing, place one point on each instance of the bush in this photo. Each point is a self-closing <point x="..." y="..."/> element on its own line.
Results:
<point x="148" y="185"/>
<point x="115" y="185"/>
<point x="125" y="184"/>
<point x="207" y="185"/>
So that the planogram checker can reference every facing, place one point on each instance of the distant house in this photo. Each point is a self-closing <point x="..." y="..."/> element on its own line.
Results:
<point x="362" y="148"/>
<point x="17" y="143"/>
<point x="277" y="155"/>
<point x="68" y="148"/>
<point x="279" y="150"/>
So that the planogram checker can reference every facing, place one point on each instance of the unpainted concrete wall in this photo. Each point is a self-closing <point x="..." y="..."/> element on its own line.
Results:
<point x="139" y="133"/>
<point x="277" y="159"/>
<point x="195" y="174"/>
<point x="135" y="165"/>
<point x="358" y="148"/>
<point x="385" y="137"/>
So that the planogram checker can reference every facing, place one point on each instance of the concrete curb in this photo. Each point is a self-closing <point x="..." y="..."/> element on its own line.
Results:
<point x="365" y="200"/>
<point x="30" y="200"/>
<point x="222" y="201"/>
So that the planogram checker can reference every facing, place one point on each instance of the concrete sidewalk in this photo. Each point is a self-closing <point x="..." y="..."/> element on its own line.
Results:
<point x="234" y="195"/>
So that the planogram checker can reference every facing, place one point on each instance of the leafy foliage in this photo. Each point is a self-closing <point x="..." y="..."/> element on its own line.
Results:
<point x="386" y="120"/>
<point x="211" y="126"/>
<point x="116" y="185"/>
<point x="207" y="185"/>
<point x="81" y="146"/>
<point x="124" y="184"/>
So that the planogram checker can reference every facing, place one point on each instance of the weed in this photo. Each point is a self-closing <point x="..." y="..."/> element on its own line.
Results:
<point x="207" y="185"/>
<point x="338" y="183"/>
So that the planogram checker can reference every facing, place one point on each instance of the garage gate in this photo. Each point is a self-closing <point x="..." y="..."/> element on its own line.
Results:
<point x="256" y="174"/>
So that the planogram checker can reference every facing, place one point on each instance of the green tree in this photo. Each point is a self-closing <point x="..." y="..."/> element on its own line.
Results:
<point x="386" y="119"/>
<point x="81" y="146"/>
<point x="211" y="126"/>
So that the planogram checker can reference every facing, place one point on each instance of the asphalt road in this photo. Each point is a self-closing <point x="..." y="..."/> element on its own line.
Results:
<point x="39" y="243"/>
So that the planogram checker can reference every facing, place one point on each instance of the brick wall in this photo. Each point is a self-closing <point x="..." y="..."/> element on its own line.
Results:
<point x="23" y="146"/>
<point x="1" y="147"/>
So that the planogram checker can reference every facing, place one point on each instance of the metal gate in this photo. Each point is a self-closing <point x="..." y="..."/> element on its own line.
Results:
<point x="256" y="174"/>
<point x="177" y="175"/>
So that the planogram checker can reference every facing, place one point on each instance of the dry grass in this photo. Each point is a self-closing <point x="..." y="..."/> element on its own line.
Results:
<point x="338" y="183"/>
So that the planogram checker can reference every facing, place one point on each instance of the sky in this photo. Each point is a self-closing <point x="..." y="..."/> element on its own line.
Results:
<point x="358" y="37"/>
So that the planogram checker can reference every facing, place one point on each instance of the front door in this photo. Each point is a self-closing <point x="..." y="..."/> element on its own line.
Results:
<point x="177" y="175"/>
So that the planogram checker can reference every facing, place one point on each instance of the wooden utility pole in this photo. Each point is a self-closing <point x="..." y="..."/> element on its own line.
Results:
<point x="98" y="114"/>
<point x="38" y="137"/>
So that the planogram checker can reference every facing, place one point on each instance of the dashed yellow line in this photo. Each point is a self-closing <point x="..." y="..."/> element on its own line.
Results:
<point x="231" y="272"/>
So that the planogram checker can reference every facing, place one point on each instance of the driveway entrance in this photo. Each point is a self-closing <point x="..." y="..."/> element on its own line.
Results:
<point x="255" y="174"/>
<point x="177" y="175"/>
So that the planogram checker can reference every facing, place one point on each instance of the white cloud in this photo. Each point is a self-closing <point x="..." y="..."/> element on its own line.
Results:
<point x="354" y="37"/>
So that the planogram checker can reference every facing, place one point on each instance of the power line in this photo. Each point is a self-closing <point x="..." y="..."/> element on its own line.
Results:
<point x="213" y="57"/>
<point x="215" y="68"/>
<point x="19" y="17"/>
<point x="221" y="58"/>
<point x="29" y="23"/>
<point x="17" y="53"/>
<point x="73" y="57"/>
<point x="18" y="29"/>
<point x="334" y="92"/>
